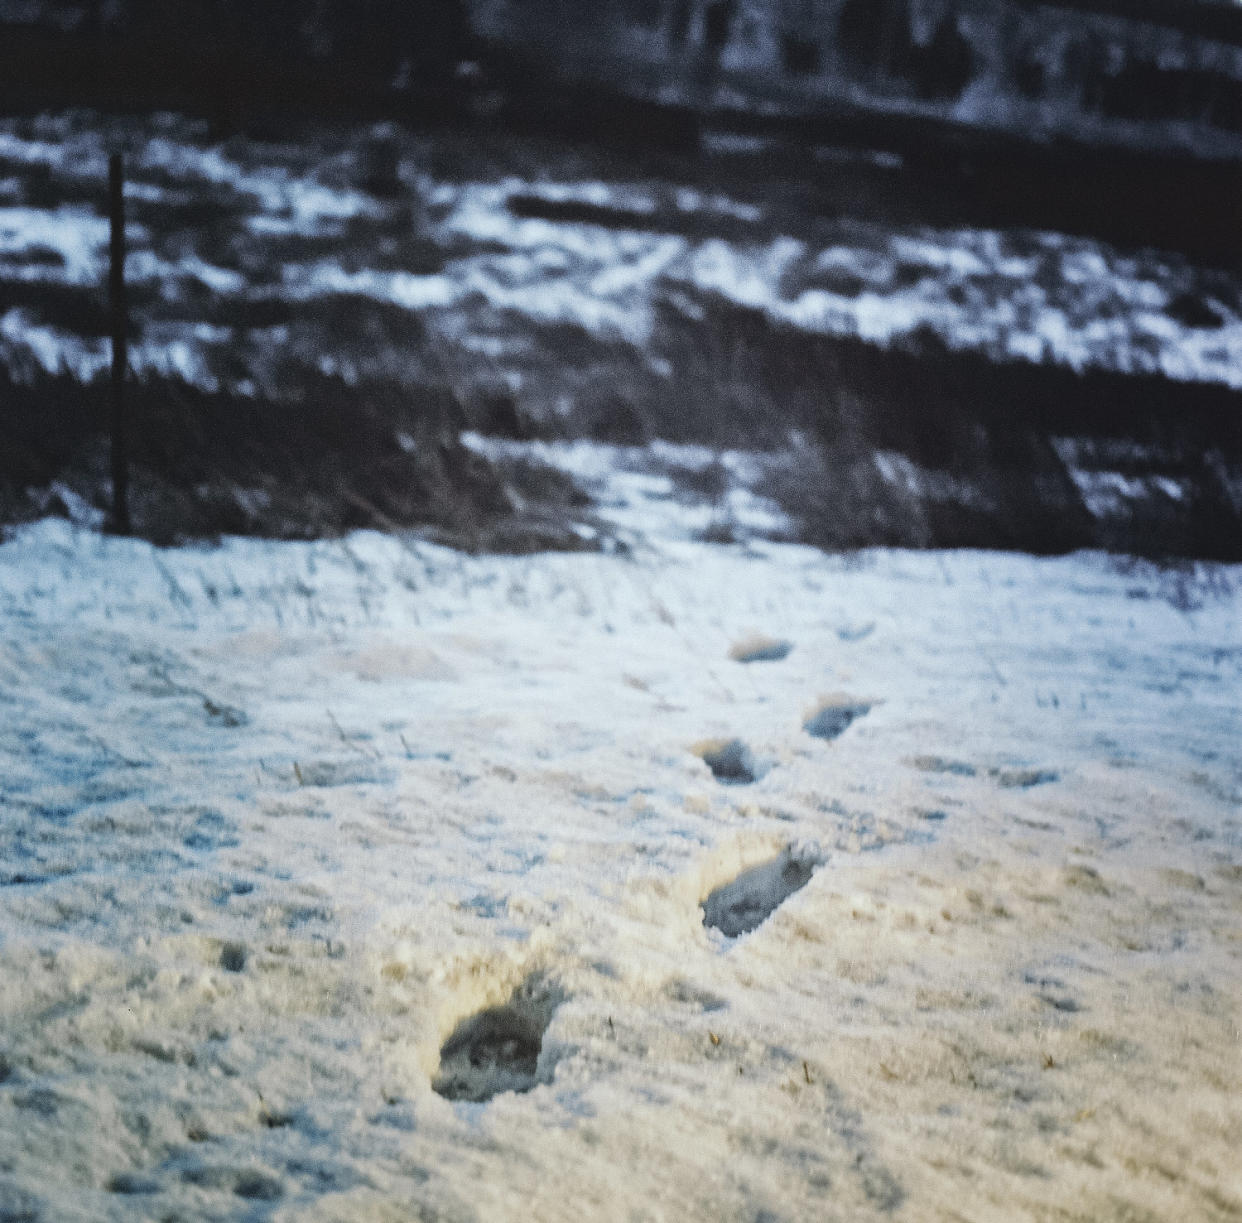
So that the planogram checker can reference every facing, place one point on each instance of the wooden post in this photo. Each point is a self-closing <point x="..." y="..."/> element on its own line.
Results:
<point x="120" y="340"/>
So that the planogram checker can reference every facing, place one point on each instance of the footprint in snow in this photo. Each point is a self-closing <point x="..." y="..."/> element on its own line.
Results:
<point x="233" y="957"/>
<point x="749" y="900"/>
<point x="498" y="1049"/>
<point x="856" y="632"/>
<point x="760" y="649"/>
<point x="833" y="716"/>
<point x="730" y="761"/>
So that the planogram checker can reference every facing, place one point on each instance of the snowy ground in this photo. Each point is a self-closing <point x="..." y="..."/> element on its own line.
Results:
<point x="279" y="819"/>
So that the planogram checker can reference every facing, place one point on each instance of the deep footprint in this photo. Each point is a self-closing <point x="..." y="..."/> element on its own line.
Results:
<point x="760" y="649"/>
<point x="498" y="1050"/>
<point x="730" y="761"/>
<point x="829" y="720"/>
<point x="749" y="900"/>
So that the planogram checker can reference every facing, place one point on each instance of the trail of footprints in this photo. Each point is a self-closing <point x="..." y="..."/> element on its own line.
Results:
<point x="499" y="1049"/>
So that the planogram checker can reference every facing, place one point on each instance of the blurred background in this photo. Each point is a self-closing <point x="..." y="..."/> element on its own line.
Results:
<point x="854" y="272"/>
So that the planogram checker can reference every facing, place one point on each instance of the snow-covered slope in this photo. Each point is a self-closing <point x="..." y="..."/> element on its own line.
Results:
<point x="284" y="239"/>
<point x="278" y="819"/>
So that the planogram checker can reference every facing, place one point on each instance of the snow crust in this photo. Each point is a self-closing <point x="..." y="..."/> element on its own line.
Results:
<point x="280" y="819"/>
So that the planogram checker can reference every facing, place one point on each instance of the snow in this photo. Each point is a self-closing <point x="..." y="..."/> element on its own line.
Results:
<point x="51" y="348"/>
<point x="76" y="234"/>
<point x="1030" y="294"/>
<point x="291" y="204"/>
<point x="634" y="492"/>
<point x="364" y="879"/>
<point x="1040" y="295"/>
<point x="281" y="820"/>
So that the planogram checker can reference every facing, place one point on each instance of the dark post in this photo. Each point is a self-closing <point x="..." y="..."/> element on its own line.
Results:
<point x="120" y="356"/>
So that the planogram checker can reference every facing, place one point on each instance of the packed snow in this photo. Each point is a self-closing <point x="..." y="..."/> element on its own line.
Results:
<point x="364" y="879"/>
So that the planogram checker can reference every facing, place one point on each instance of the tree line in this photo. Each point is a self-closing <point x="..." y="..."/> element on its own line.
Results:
<point x="374" y="39"/>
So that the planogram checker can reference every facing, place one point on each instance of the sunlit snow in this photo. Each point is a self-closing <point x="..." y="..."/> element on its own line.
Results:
<point x="361" y="876"/>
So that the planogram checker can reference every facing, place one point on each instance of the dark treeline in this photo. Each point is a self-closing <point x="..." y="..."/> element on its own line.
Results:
<point x="378" y="37"/>
<point x="140" y="51"/>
